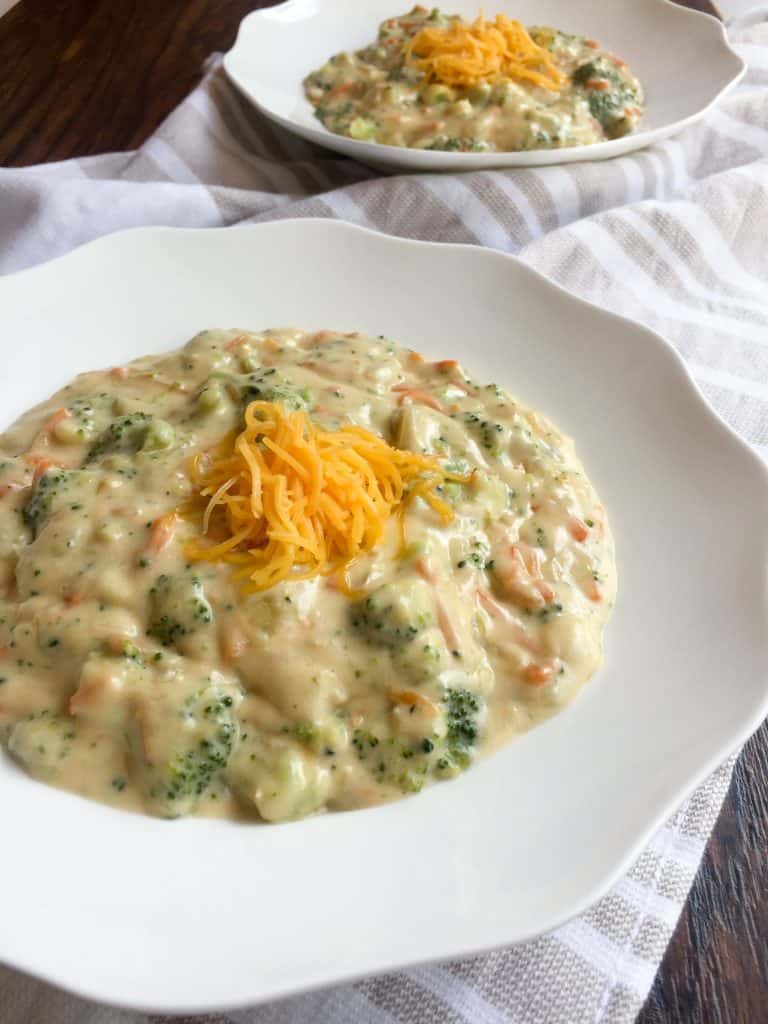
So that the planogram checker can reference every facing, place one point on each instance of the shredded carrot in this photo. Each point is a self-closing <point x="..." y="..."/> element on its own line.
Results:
<point x="116" y="642"/>
<point x="496" y="609"/>
<point x="426" y="571"/>
<point x="161" y="532"/>
<point x="41" y="464"/>
<point x="444" y="621"/>
<point x="592" y="592"/>
<point x="414" y="699"/>
<point x="597" y="84"/>
<point x="57" y="417"/>
<point x="537" y="675"/>
<point x="512" y="626"/>
<point x="286" y="500"/>
<point x="577" y="529"/>
<point x="464" y="54"/>
<point x="339" y="90"/>
<point x="233" y="641"/>
<point x="406" y="392"/>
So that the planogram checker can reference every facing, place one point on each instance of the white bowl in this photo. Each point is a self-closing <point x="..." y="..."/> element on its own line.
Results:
<point x="197" y="914"/>
<point x="681" y="56"/>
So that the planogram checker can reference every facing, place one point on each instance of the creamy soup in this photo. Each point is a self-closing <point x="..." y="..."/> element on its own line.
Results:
<point x="150" y="659"/>
<point x="559" y="89"/>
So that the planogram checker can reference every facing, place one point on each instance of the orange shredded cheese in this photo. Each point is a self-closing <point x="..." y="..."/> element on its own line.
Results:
<point x="287" y="500"/>
<point x="464" y="54"/>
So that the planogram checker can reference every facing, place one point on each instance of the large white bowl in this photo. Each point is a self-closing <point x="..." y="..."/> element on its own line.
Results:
<point x="681" y="56"/>
<point x="195" y="914"/>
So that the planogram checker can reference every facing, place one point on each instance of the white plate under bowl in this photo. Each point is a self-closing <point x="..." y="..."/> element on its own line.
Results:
<point x="195" y="914"/>
<point x="681" y="56"/>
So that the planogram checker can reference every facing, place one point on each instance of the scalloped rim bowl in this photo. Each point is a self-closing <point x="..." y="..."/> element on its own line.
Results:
<point x="663" y="43"/>
<point x="198" y="914"/>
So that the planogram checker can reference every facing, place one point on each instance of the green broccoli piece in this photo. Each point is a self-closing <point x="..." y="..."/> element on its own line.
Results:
<point x="606" y="105"/>
<point x="392" y="616"/>
<point x="83" y="411"/>
<point x="179" y="607"/>
<point x="47" y="495"/>
<point x="41" y="741"/>
<point x="407" y="763"/>
<point x="89" y="413"/>
<point x="267" y="385"/>
<point x="584" y="72"/>
<point x="462" y="718"/>
<point x="137" y="431"/>
<point x="210" y="730"/>
<point x="404" y="759"/>
<point x="491" y="436"/>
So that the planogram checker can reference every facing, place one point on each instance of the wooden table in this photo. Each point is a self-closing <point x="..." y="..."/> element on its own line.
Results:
<point x="88" y="76"/>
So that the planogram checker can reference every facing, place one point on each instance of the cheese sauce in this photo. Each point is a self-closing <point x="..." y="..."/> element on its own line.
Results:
<point x="135" y="676"/>
<point x="376" y="94"/>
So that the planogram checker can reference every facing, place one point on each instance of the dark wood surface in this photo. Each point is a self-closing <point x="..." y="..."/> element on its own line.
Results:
<point x="79" y="77"/>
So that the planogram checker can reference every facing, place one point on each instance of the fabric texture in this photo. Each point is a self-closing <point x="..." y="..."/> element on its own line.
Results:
<point x="673" y="237"/>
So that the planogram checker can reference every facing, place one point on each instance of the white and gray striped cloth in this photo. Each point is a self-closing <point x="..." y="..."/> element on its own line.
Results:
<point x="674" y="237"/>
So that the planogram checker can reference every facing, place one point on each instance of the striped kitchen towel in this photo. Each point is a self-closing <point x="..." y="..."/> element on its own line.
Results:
<point x="673" y="236"/>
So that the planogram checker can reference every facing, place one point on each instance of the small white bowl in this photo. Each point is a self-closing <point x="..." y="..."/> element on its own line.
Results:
<point x="682" y="58"/>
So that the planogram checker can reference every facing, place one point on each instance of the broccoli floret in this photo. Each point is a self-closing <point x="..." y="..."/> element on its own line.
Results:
<point x="410" y="750"/>
<point x="88" y="415"/>
<point x="179" y="607"/>
<point x="364" y="741"/>
<point x="277" y="777"/>
<point x="606" y="105"/>
<point x="267" y="385"/>
<point x="476" y="556"/>
<point x="462" y="719"/>
<point x="49" y="489"/>
<point x="582" y="74"/>
<point x="210" y="730"/>
<point x="40" y="505"/>
<point x="392" y="616"/>
<point x="138" y="431"/>
<point x="83" y="411"/>
<point x="491" y="436"/>
<point x="408" y="761"/>
<point x="41" y="742"/>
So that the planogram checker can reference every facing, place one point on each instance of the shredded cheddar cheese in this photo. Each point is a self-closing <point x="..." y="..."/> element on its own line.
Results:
<point x="286" y="500"/>
<point x="464" y="54"/>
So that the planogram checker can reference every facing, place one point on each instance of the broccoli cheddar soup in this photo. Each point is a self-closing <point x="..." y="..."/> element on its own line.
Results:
<point x="434" y="81"/>
<point x="280" y="572"/>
